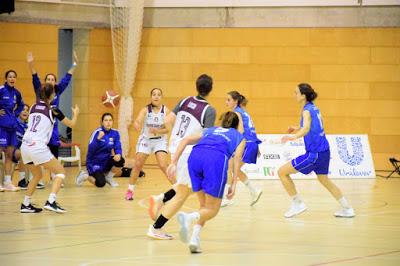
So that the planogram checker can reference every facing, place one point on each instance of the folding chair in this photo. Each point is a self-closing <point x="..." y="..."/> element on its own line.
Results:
<point x="396" y="165"/>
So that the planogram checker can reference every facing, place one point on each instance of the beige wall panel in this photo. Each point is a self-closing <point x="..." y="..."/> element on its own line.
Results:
<point x="385" y="126"/>
<point x="385" y="55"/>
<point x="167" y="37"/>
<point x="164" y="72"/>
<point x="388" y="144"/>
<point x="385" y="91"/>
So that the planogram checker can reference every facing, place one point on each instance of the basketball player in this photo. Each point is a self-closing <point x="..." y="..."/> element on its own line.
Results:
<point x="208" y="173"/>
<point x="104" y="155"/>
<point x="153" y="138"/>
<point x="315" y="159"/>
<point x="11" y="105"/>
<point x="189" y="117"/>
<point x="35" y="152"/>
<point x="235" y="102"/>
<point x="59" y="88"/>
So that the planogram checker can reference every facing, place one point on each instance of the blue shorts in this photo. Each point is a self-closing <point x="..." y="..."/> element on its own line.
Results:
<point x="104" y="167"/>
<point x="8" y="137"/>
<point x="208" y="173"/>
<point x="313" y="161"/>
<point x="250" y="152"/>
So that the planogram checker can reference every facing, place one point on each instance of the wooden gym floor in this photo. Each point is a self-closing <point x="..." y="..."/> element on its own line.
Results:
<point x="101" y="228"/>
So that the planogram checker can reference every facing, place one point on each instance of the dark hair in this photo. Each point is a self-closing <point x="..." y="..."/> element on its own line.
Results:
<point x="46" y="91"/>
<point x="151" y="92"/>
<point x="308" y="91"/>
<point x="241" y="100"/>
<point x="229" y="120"/>
<point x="50" y="74"/>
<point x="9" y="71"/>
<point x="204" y="84"/>
<point x="106" y="114"/>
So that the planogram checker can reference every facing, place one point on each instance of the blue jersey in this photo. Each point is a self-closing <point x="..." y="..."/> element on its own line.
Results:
<point x="11" y="103"/>
<point x="221" y="139"/>
<point x="249" y="130"/>
<point x="100" y="150"/>
<point x="315" y="140"/>
<point x="21" y="128"/>
<point x="59" y="89"/>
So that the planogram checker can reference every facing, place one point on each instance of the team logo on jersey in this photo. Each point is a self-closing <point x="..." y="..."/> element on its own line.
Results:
<point x="155" y="119"/>
<point x="358" y="154"/>
<point x="192" y="105"/>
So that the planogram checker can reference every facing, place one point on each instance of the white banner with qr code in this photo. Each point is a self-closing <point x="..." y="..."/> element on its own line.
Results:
<point x="350" y="157"/>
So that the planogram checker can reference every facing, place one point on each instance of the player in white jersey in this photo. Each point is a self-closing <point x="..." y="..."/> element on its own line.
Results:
<point x="153" y="138"/>
<point x="35" y="152"/>
<point x="190" y="116"/>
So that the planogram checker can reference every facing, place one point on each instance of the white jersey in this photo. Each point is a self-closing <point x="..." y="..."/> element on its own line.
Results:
<point x="155" y="120"/>
<point x="189" y="121"/>
<point x="40" y="124"/>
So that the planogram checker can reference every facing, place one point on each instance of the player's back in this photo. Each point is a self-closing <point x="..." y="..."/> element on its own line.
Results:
<point x="40" y="124"/>
<point x="189" y="121"/>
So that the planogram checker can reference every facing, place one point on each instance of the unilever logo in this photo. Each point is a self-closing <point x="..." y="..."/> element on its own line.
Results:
<point x="358" y="154"/>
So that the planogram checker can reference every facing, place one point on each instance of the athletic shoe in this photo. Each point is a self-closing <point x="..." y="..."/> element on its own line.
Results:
<point x="226" y="202"/>
<point x="23" y="184"/>
<point x="81" y="178"/>
<point x="129" y="195"/>
<point x="345" y="213"/>
<point x="255" y="196"/>
<point x="1" y="188"/>
<point x="155" y="205"/>
<point x="158" y="234"/>
<point x="295" y="209"/>
<point x="111" y="182"/>
<point x="194" y="244"/>
<point x="142" y="174"/>
<point x="185" y="222"/>
<point x="29" y="209"/>
<point x="11" y="187"/>
<point x="40" y="185"/>
<point x="54" y="207"/>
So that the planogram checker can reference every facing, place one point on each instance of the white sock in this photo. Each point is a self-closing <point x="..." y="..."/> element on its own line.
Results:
<point x="194" y="215"/>
<point x="344" y="203"/>
<point x="296" y="198"/>
<point x="27" y="200"/>
<point x="196" y="230"/>
<point x="110" y="174"/>
<point x="131" y="187"/>
<point x="7" y="179"/>
<point x="21" y="175"/>
<point x="249" y="185"/>
<point x="52" y="197"/>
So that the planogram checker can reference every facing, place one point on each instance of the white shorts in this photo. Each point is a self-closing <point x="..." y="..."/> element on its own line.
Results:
<point x="182" y="170"/>
<point x="149" y="146"/>
<point x="38" y="153"/>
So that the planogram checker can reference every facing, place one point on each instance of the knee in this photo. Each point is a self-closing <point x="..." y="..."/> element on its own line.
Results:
<point x="100" y="183"/>
<point x="281" y="173"/>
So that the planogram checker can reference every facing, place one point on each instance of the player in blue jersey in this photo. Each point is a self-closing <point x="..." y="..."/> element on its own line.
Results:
<point x="315" y="159"/>
<point x="104" y="155"/>
<point x="236" y="103"/>
<point x="11" y="105"/>
<point x="208" y="174"/>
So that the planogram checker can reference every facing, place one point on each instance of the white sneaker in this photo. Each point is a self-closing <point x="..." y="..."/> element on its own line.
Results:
<point x="226" y="202"/>
<point x="194" y="244"/>
<point x="184" y="220"/>
<point x="1" y="188"/>
<point x="81" y="178"/>
<point x="295" y="209"/>
<point x="158" y="234"/>
<point x="345" y="213"/>
<point x="255" y="196"/>
<point x="111" y="182"/>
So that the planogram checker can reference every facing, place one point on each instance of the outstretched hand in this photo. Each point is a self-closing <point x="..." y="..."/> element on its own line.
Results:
<point x="29" y="57"/>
